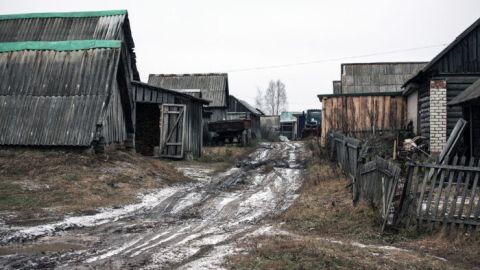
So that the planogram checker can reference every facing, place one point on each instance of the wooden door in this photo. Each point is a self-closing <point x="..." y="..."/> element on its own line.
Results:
<point x="172" y="130"/>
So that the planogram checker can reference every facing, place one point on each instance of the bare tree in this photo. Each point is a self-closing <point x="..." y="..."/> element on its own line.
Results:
<point x="259" y="99"/>
<point x="275" y="98"/>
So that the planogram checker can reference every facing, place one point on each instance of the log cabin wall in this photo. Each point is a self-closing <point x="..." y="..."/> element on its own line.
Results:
<point x="459" y="65"/>
<point x="361" y="113"/>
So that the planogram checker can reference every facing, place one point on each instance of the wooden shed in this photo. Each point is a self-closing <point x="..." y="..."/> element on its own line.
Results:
<point x="169" y="121"/>
<point x="448" y="74"/>
<point x="363" y="112"/>
<point x="62" y="93"/>
<point x="240" y="109"/>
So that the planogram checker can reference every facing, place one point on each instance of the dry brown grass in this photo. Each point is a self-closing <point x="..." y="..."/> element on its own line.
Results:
<point x="324" y="212"/>
<point x="39" y="183"/>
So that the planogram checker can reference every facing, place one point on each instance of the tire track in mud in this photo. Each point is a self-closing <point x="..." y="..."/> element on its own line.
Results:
<point x="195" y="226"/>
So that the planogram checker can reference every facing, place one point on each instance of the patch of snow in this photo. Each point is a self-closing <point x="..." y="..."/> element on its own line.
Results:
<point x="147" y="202"/>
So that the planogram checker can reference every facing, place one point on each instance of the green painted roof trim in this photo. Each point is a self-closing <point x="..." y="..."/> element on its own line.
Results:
<point x="81" y="14"/>
<point x="71" y="45"/>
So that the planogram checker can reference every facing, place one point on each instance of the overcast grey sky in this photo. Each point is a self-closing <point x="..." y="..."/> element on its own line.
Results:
<point x="222" y="36"/>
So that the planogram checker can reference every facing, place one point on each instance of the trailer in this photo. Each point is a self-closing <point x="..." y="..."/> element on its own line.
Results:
<point x="231" y="131"/>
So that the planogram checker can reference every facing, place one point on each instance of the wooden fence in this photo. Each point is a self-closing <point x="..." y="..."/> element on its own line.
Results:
<point x="377" y="183"/>
<point x="443" y="194"/>
<point x="345" y="150"/>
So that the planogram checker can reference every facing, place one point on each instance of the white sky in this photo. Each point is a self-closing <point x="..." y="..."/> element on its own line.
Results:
<point x="225" y="35"/>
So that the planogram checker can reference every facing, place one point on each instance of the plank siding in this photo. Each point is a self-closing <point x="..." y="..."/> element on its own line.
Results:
<point x="360" y="113"/>
<point x="193" y="133"/>
<point x="70" y="98"/>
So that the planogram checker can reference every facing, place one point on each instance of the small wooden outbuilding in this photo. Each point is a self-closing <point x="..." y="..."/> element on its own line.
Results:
<point x="239" y="109"/>
<point x="169" y="121"/>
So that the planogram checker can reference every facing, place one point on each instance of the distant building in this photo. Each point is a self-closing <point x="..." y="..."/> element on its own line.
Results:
<point x="289" y="124"/>
<point x="213" y="87"/>
<point x="240" y="109"/>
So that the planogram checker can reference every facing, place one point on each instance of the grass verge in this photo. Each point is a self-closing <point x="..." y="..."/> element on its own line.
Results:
<point x="38" y="185"/>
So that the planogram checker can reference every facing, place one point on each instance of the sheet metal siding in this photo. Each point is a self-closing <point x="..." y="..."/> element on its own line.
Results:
<point x="57" y="29"/>
<point x="374" y="78"/>
<point x="213" y="87"/>
<point x="62" y="99"/>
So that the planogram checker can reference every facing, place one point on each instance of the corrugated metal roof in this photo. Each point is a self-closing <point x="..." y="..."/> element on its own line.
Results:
<point x="377" y="77"/>
<point x="101" y="25"/>
<point x="54" y="97"/>
<point x="75" y="14"/>
<point x="214" y="86"/>
<point x="469" y="94"/>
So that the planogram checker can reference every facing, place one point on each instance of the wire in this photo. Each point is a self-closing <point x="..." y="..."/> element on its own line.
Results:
<point x="332" y="59"/>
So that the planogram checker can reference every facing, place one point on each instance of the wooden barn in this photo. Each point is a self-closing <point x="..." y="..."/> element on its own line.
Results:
<point x="368" y="97"/>
<point x="448" y="74"/>
<point x="86" y="59"/>
<point x="169" y="121"/>
<point x="239" y="109"/>
<point x="92" y="25"/>
<point x="63" y="93"/>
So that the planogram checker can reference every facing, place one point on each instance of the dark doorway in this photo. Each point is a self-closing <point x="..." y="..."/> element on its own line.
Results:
<point x="147" y="134"/>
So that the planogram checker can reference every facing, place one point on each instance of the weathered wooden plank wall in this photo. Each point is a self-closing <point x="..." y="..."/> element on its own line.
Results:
<point x="356" y="113"/>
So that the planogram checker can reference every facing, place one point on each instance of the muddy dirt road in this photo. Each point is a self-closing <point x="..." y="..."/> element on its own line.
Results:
<point x="189" y="226"/>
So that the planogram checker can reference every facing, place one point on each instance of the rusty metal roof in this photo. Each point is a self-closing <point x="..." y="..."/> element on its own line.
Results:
<point x="214" y="86"/>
